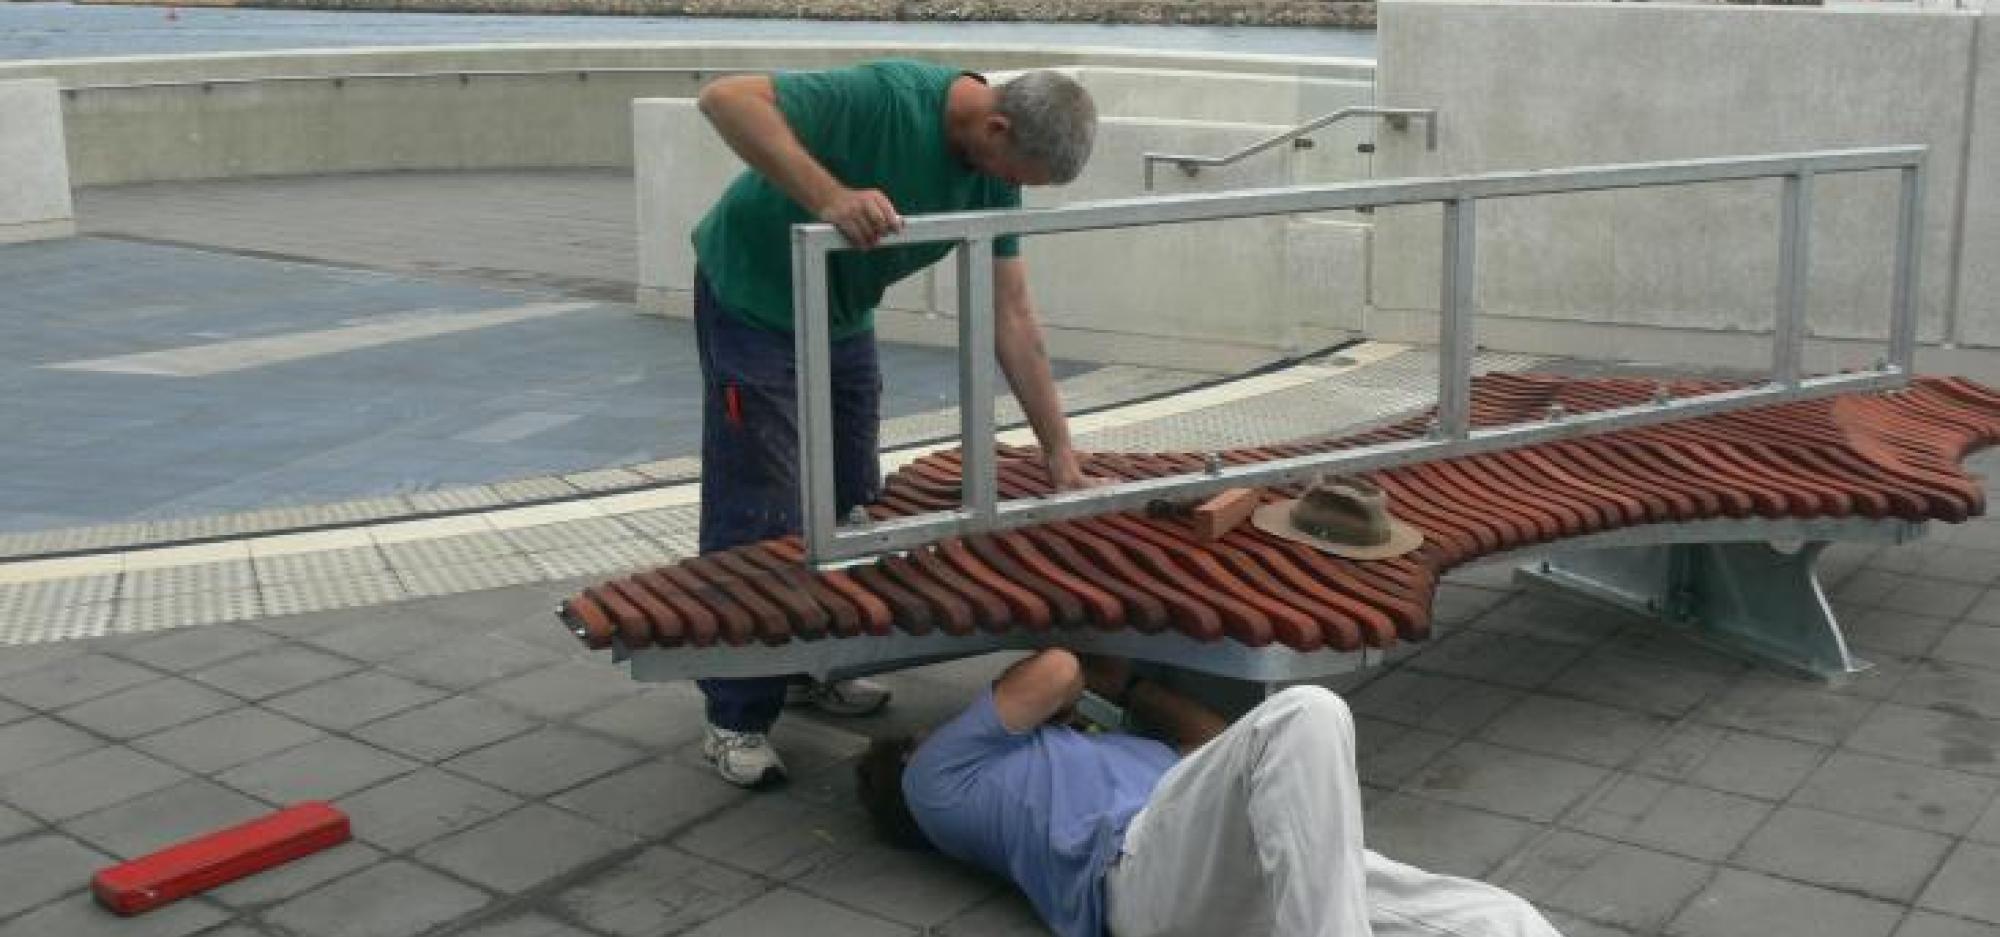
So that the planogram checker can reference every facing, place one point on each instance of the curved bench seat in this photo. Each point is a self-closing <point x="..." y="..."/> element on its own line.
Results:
<point x="1853" y="465"/>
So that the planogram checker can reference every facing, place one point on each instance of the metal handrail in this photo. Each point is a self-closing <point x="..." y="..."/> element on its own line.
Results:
<point x="981" y="509"/>
<point x="463" y="75"/>
<point x="1398" y="118"/>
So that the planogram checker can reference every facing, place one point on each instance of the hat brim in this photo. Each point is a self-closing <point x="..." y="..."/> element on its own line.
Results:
<point x="1276" y="519"/>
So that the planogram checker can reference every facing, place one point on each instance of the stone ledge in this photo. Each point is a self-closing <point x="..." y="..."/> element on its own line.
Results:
<point x="1321" y="13"/>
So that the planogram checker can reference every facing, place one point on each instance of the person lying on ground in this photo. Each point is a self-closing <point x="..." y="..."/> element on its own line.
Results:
<point x="1249" y="828"/>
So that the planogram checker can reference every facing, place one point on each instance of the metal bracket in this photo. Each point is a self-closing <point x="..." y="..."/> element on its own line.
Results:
<point x="1748" y="599"/>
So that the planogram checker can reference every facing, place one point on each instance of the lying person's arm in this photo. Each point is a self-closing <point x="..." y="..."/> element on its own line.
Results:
<point x="1037" y="688"/>
<point x="1190" y="724"/>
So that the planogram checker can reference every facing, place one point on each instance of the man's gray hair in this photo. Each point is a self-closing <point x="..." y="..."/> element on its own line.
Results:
<point x="1052" y="121"/>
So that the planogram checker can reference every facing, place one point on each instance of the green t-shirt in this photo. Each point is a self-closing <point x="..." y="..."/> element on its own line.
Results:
<point x="879" y="125"/>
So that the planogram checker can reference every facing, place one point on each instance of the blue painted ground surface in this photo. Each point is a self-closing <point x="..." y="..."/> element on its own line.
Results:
<point x="597" y="387"/>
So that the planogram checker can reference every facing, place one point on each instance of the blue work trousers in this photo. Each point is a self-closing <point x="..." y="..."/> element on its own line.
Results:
<point x="750" y="458"/>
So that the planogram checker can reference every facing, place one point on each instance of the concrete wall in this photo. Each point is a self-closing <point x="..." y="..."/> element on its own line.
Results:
<point x="1211" y="296"/>
<point x="34" y="175"/>
<point x="1679" y="273"/>
<point x="181" y="117"/>
<point x="1978" y="300"/>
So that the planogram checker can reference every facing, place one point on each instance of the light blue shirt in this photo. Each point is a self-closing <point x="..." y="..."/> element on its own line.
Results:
<point x="1046" y="808"/>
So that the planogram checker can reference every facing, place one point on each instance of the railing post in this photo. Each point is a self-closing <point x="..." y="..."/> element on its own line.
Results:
<point x="1794" y="246"/>
<point x="1455" y="326"/>
<point x="813" y="354"/>
<point x="1903" y="296"/>
<point x="978" y="478"/>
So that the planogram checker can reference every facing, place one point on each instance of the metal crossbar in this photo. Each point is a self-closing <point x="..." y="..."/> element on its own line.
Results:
<point x="827" y="543"/>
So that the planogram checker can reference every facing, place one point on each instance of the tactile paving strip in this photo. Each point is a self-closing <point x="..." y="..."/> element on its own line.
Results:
<point x="1891" y="455"/>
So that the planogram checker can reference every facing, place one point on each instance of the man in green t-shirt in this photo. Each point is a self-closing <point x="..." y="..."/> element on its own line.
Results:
<point x="856" y="148"/>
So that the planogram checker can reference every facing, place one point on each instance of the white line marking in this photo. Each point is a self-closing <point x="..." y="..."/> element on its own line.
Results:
<point x="517" y="427"/>
<point x="244" y="354"/>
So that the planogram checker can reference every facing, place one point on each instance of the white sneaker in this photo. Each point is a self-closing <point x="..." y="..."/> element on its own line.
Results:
<point x="745" y="759"/>
<point x="839" y="697"/>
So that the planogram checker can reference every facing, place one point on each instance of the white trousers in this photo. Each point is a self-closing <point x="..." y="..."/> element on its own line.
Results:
<point x="1259" y="833"/>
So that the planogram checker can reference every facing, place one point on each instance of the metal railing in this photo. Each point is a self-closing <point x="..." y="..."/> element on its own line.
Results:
<point x="1453" y="435"/>
<point x="1398" y="118"/>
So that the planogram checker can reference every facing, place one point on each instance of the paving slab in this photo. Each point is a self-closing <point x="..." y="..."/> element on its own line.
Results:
<point x="1928" y="924"/>
<point x="73" y="681"/>
<point x="1444" y="838"/>
<point x="148" y="708"/>
<point x="1508" y="660"/>
<point x="525" y="925"/>
<point x="40" y="868"/>
<point x="87" y="782"/>
<point x="345" y="702"/>
<point x="318" y="770"/>
<point x="783" y="911"/>
<point x="39" y="741"/>
<point x="269" y="672"/>
<point x="1519" y="784"/>
<point x="1845" y="853"/>
<point x="227" y="739"/>
<point x="1964" y="886"/>
<point x="665" y="717"/>
<point x="446" y="728"/>
<point x="523" y="848"/>
<point x="1004" y="915"/>
<point x="1605" y="881"/>
<point x="1387" y="754"/>
<point x="1806" y="714"/>
<point x="1576" y="730"/>
<point x="1443" y="703"/>
<point x="658" y="891"/>
<point x="1960" y="688"/>
<point x="1738" y="903"/>
<point x="421" y="806"/>
<point x="1941" y="739"/>
<point x="543" y="762"/>
<point x="390" y="899"/>
<point x="1897" y="792"/>
<point x="79" y="915"/>
<point x="1617" y="676"/>
<point x="651" y="799"/>
<point x="1681" y="819"/>
<point x="164" y="817"/>
<point x="1730" y="760"/>
<point x="292" y="878"/>
<point x="470" y="662"/>
<point x="780" y="837"/>
<point x="563" y="689"/>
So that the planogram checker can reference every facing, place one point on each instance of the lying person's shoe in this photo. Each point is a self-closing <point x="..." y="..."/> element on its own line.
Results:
<point x="745" y="759"/>
<point x="839" y="697"/>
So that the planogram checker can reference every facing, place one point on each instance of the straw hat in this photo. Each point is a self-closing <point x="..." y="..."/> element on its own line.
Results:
<point x="1344" y="516"/>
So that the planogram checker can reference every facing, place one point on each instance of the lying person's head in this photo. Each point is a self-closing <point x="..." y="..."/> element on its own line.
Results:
<point x="879" y="779"/>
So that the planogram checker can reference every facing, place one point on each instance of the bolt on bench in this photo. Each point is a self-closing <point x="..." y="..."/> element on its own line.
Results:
<point x="1662" y="496"/>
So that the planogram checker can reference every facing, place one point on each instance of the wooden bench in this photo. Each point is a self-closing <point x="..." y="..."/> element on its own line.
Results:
<point x="1673" y="520"/>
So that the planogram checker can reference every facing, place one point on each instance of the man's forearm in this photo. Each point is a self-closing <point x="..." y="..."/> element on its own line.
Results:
<point x="1024" y="359"/>
<point x="1017" y="341"/>
<point x="749" y="121"/>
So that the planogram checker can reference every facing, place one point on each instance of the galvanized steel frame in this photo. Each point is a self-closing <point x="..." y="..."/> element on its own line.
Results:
<point x="827" y="544"/>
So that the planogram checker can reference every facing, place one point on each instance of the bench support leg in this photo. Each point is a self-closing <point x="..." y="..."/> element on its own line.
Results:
<point x="1749" y="599"/>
